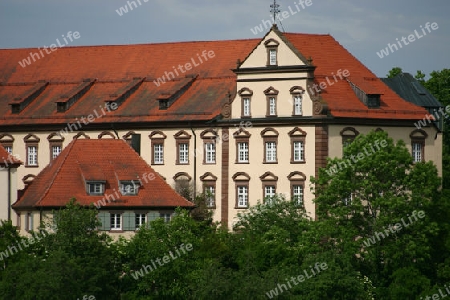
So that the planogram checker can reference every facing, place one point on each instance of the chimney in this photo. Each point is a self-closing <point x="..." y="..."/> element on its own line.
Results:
<point x="136" y="143"/>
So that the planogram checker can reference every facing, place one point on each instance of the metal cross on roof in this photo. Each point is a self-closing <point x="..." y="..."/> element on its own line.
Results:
<point x="274" y="9"/>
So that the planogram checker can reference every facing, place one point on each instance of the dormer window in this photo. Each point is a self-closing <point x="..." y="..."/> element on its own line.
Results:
<point x="95" y="188"/>
<point x="272" y="52"/>
<point x="129" y="188"/>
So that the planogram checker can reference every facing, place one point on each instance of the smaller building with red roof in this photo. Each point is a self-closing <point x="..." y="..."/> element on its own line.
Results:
<point x="107" y="173"/>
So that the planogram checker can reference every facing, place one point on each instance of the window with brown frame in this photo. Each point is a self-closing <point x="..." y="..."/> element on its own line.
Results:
<point x="348" y="135"/>
<point x="297" y="186"/>
<point x="418" y="137"/>
<point x="157" y="143"/>
<point x="271" y="99"/>
<point x="270" y="143"/>
<point x="55" y="141"/>
<point x="32" y="147"/>
<point x="7" y="141"/>
<point x="209" y="137"/>
<point x="297" y="100"/>
<point x="272" y="52"/>
<point x="241" y="181"/>
<point x="242" y="138"/>
<point x="246" y="96"/>
<point x="182" y="139"/>
<point x="298" y="138"/>
<point x="269" y="187"/>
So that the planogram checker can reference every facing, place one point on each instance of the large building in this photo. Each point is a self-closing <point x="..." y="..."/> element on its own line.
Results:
<point x="242" y="119"/>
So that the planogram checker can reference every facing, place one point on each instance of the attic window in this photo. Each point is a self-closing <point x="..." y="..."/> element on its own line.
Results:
<point x="128" y="188"/>
<point x="15" y="108"/>
<point x="272" y="52"/>
<point x="373" y="101"/>
<point x="163" y="104"/>
<point x="61" y="106"/>
<point x="95" y="188"/>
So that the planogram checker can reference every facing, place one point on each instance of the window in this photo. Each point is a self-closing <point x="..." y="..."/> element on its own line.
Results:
<point x="56" y="150"/>
<point x="246" y="107"/>
<point x="158" y="154"/>
<point x="157" y="138"/>
<point x="269" y="193"/>
<point x="297" y="194"/>
<point x="271" y="152"/>
<point x="272" y="52"/>
<point x="417" y="151"/>
<point x="129" y="188"/>
<point x="245" y="94"/>
<point x="31" y="147"/>
<point x="273" y="57"/>
<point x="210" y="194"/>
<point x="210" y="152"/>
<point x="270" y="138"/>
<point x="242" y="138"/>
<point x="209" y="189"/>
<point x="182" y="139"/>
<point x="299" y="151"/>
<point x="348" y="135"/>
<point x="243" y="152"/>
<point x="29" y="222"/>
<point x="272" y="106"/>
<point x="242" y="181"/>
<point x="297" y="105"/>
<point x="95" y="188"/>
<point x="32" y="156"/>
<point x="140" y="220"/>
<point x="271" y="96"/>
<point x="165" y="216"/>
<point x="116" y="223"/>
<point x="297" y="180"/>
<point x="348" y="200"/>
<point x="7" y="141"/>
<point x="183" y="153"/>
<point x="8" y="149"/>
<point x="242" y="192"/>
<point x="418" y="137"/>
<point x="297" y="92"/>
<point x="18" y="220"/>
<point x="269" y="185"/>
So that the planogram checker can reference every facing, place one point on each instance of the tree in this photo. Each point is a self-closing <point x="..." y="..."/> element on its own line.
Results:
<point x="375" y="208"/>
<point x="394" y="72"/>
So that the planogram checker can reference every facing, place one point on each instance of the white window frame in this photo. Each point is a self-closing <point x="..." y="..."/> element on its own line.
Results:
<point x="129" y="188"/>
<point x="417" y="151"/>
<point x="158" y="154"/>
<point x="32" y="154"/>
<point x="183" y="153"/>
<point x="95" y="188"/>
<point x="140" y="219"/>
<point x="299" y="151"/>
<point x="8" y="149"/>
<point x="210" y="194"/>
<point x="298" y="194"/>
<point x="167" y="217"/>
<point x="246" y="107"/>
<point x="56" y="150"/>
<point x="243" y="152"/>
<point x="298" y="105"/>
<point x="271" y="151"/>
<point x="269" y="193"/>
<point x="242" y="193"/>
<point x="116" y="221"/>
<point x="273" y="57"/>
<point x="272" y="106"/>
<point x="210" y="152"/>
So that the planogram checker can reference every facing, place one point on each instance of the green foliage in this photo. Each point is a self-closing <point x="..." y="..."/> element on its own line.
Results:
<point x="394" y="72"/>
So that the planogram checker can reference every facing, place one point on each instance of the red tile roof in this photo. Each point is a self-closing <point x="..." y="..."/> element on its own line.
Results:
<point x="105" y="159"/>
<point x="8" y="160"/>
<point x="116" y="67"/>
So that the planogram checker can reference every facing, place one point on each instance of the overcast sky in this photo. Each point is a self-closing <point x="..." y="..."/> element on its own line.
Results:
<point x="363" y="27"/>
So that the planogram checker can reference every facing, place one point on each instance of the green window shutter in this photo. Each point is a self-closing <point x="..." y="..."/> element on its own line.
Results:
<point x="105" y="220"/>
<point x="152" y="215"/>
<point x="129" y="221"/>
